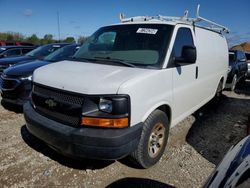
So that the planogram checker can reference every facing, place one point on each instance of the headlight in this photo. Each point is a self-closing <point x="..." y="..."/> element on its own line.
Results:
<point x="106" y="111"/>
<point x="27" y="78"/>
<point x="105" y="105"/>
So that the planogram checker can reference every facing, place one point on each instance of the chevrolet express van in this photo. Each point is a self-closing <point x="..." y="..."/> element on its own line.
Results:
<point x="126" y="87"/>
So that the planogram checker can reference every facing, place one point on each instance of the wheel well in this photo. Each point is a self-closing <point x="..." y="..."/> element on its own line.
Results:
<point x="222" y="79"/>
<point x="223" y="82"/>
<point x="167" y="110"/>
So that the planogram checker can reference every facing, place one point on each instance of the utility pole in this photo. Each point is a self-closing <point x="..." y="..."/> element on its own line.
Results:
<point x="58" y="26"/>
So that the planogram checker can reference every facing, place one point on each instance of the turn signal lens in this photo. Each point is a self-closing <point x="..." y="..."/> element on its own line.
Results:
<point x="105" y="122"/>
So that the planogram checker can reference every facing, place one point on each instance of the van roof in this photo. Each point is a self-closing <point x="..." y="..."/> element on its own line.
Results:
<point x="170" y="20"/>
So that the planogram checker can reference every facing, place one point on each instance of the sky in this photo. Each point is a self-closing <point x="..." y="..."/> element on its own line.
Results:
<point x="83" y="17"/>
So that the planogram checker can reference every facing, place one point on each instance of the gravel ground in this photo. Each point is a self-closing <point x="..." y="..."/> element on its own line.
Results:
<point x="196" y="146"/>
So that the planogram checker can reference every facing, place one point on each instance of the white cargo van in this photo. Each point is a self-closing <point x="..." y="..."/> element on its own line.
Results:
<point x="127" y="86"/>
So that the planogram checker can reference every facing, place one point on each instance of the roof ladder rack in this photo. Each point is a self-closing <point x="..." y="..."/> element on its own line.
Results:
<point x="219" y="27"/>
<point x="184" y="19"/>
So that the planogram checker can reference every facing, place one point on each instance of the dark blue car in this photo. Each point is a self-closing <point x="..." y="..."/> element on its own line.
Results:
<point x="11" y="51"/>
<point x="234" y="169"/>
<point x="237" y="69"/>
<point x="38" y="53"/>
<point x="16" y="81"/>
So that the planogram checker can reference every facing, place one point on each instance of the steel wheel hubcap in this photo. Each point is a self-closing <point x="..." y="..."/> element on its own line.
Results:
<point x="156" y="140"/>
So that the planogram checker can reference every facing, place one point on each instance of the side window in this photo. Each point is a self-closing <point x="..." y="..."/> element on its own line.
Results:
<point x="241" y="56"/>
<point x="25" y="51"/>
<point x="13" y="52"/>
<point x="183" y="38"/>
<point x="54" y="48"/>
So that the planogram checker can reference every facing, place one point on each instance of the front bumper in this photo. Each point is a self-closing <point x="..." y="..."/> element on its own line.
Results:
<point x="16" y="94"/>
<point x="83" y="142"/>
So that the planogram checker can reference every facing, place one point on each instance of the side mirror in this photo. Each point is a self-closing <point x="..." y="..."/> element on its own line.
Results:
<point x="188" y="55"/>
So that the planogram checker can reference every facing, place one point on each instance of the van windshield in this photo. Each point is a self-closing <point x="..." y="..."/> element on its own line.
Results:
<point x="142" y="45"/>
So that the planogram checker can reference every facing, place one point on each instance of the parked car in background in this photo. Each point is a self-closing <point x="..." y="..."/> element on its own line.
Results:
<point x="38" y="53"/>
<point x="248" y="63"/>
<point x="15" y="82"/>
<point x="8" y="51"/>
<point x="234" y="169"/>
<point x="237" y="70"/>
<point x="15" y="43"/>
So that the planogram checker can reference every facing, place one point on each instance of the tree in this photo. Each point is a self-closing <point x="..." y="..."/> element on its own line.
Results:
<point x="10" y="37"/>
<point x="17" y="36"/>
<point x="82" y="39"/>
<point x="3" y="36"/>
<point x="33" y="39"/>
<point x="48" y="38"/>
<point x="69" y="39"/>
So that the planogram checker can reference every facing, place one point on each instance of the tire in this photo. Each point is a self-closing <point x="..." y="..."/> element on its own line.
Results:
<point x="153" y="140"/>
<point x="234" y="82"/>
<point x="243" y="80"/>
<point x="218" y="95"/>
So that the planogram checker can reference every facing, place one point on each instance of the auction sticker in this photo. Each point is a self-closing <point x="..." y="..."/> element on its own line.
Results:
<point x="147" y="31"/>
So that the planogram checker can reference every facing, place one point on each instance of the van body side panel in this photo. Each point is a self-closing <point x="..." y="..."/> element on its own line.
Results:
<point x="190" y="93"/>
<point x="212" y="60"/>
<point x="147" y="93"/>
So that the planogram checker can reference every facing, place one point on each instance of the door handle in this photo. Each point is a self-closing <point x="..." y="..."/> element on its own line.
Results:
<point x="196" y="72"/>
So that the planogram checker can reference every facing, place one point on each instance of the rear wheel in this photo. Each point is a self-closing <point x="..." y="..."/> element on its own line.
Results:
<point x="218" y="94"/>
<point x="243" y="80"/>
<point x="153" y="140"/>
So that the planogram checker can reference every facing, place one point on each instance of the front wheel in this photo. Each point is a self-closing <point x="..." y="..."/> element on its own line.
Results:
<point x="153" y="140"/>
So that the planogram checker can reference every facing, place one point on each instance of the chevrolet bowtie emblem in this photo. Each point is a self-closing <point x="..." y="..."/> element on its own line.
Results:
<point x="51" y="103"/>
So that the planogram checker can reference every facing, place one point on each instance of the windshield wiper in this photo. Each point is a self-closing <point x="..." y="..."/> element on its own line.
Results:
<point x="50" y="60"/>
<point x="120" y="61"/>
<point x="81" y="59"/>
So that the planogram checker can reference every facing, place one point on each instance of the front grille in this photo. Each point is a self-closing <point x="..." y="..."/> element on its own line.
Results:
<point x="8" y="83"/>
<point x="58" y="105"/>
<point x="63" y="118"/>
<point x="58" y="94"/>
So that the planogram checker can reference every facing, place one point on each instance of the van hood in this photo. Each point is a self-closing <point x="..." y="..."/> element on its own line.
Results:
<point x="85" y="77"/>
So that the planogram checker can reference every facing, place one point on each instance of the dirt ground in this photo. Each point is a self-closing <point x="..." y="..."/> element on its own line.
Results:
<point x="196" y="146"/>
